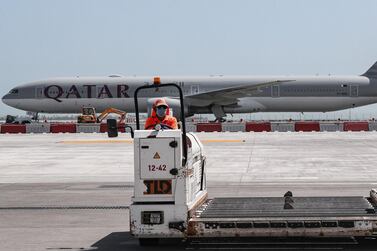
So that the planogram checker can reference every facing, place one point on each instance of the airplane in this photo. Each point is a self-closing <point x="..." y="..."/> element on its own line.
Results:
<point x="218" y="94"/>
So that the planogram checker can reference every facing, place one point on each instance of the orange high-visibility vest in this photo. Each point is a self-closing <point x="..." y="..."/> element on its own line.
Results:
<point x="167" y="120"/>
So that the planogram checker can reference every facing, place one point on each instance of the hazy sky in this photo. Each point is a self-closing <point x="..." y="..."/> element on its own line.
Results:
<point x="42" y="39"/>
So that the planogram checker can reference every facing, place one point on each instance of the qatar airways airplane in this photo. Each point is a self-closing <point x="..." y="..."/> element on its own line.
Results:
<point x="213" y="94"/>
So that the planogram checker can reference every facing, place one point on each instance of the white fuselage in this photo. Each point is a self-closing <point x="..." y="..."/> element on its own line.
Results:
<point x="304" y="94"/>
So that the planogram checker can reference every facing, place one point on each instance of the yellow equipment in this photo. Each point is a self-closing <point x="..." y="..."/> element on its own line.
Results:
<point x="89" y="115"/>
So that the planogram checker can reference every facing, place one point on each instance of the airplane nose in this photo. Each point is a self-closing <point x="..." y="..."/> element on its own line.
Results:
<point x="5" y="99"/>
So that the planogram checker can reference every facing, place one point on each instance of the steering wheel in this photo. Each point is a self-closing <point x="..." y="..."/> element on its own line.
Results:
<point x="165" y="126"/>
<point x="162" y="126"/>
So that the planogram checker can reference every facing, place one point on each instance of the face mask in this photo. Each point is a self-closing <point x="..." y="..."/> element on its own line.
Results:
<point x="161" y="111"/>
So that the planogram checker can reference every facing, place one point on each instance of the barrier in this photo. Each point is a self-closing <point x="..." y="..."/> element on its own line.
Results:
<point x="372" y="126"/>
<point x="283" y="127"/>
<point x="331" y="127"/>
<point x="38" y="128"/>
<point x="11" y="128"/>
<point x="88" y="128"/>
<point x="258" y="127"/>
<point x="356" y="126"/>
<point x="190" y="127"/>
<point x="63" y="128"/>
<point x="103" y="128"/>
<point x="233" y="127"/>
<point x="121" y="127"/>
<point x="208" y="127"/>
<point x="200" y="127"/>
<point x="307" y="126"/>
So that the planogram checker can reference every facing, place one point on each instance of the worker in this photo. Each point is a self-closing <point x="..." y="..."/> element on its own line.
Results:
<point x="160" y="115"/>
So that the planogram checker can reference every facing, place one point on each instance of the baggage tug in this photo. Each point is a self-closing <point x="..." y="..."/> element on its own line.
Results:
<point x="170" y="197"/>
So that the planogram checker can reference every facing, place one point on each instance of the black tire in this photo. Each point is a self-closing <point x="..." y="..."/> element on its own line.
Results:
<point x="144" y="242"/>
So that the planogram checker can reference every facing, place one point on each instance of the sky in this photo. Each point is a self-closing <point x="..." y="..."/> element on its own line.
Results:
<point x="51" y="38"/>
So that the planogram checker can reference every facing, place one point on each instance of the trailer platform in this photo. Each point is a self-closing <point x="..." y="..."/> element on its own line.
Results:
<point x="285" y="216"/>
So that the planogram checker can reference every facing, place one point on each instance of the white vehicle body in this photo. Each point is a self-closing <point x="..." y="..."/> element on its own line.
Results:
<point x="159" y="192"/>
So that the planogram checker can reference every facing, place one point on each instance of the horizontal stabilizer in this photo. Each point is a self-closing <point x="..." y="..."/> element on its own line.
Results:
<point x="372" y="72"/>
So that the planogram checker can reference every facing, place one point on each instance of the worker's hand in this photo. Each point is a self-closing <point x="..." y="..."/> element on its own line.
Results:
<point x="158" y="127"/>
<point x="161" y="126"/>
<point x="164" y="126"/>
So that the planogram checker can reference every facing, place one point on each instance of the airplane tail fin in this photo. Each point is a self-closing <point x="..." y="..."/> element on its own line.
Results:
<point x="372" y="72"/>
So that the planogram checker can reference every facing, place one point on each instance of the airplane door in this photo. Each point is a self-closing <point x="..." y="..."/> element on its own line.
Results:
<point x="194" y="89"/>
<point x="39" y="92"/>
<point x="354" y="91"/>
<point x="275" y="91"/>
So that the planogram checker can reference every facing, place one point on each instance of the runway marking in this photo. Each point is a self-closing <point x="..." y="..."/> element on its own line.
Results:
<point x="129" y="141"/>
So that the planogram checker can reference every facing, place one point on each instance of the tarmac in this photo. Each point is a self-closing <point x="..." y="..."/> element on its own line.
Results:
<point x="72" y="191"/>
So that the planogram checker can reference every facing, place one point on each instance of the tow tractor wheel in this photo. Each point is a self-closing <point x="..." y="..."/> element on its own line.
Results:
<point x="148" y="241"/>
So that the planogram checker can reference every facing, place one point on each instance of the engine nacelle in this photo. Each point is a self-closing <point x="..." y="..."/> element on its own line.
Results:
<point x="174" y="105"/>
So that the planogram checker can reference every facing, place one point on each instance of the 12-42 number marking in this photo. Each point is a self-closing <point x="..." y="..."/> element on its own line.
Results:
<point x="154" y="168"/>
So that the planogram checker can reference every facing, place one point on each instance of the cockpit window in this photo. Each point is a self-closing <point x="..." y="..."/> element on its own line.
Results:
<point x="13" y="91"/>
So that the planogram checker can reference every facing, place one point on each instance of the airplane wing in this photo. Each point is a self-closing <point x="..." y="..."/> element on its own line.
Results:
<point x="229" y="95"/>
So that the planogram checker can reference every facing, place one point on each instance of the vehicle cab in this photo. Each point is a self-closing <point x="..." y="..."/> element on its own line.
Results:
<point x="169" y="179"/>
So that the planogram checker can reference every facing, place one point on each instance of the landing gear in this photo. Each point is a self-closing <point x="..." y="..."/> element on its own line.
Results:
<point x="35" y="117"/>
<point x="219" y="113"/>
<point x="220" y="120"/>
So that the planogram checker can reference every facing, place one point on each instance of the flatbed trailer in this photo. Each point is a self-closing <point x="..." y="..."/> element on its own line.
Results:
<point x="170" y="198"/>
<point x="266" y="216"/>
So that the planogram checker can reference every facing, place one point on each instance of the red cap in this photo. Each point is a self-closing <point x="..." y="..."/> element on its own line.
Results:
<point x="160" y="102"/>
